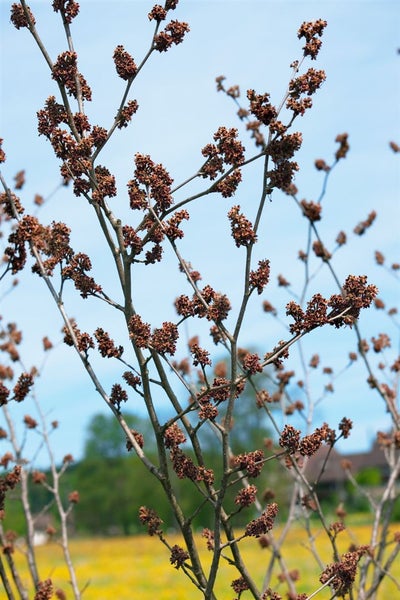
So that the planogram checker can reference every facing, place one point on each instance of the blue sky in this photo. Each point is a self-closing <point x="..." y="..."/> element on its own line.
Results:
<point x="252" y="43"/>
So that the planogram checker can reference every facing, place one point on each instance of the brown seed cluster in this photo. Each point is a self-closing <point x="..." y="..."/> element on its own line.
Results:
<point x="311" y="210"/>
<point x="104" y="184"/>
<point x="139" y="438"/>
<point x="227" y="151"/>
<point x="229" y="184"/>
<point x="76" y="150"/>
<point x="20" y="18"/>
<point x="171" y="226"/>
<point x="10" y="205"/>
<point x="246" y="496"/>
<point x="52" y="115"/>
<point x="117" y="396"/>
<point x="8" y="482"/>
<point x="320" y="251"/>
<point x="341" y="238"/>
<point x="251" y="462"/>
<point x="126" y="113"/>
<point x="356" y="295"/>
<point x="200" y="355"/>
<point x="139" y="331"/>
<point x="106" y="345"/>
<point x="4" y="394"/>
<point x="345" y="307"/>
<point x="241" y="228"/>
<point x="207" y="303"/>
<point x="150" y="518"/>
<point x="132" y="240"/>
<point x="44" y="590"/>
<point x="124" y="63"/>
<point x="38" y="477"/>
<point x="344" y="147"/>
<point x="30" y="422"/>
<point x="261" y="107"/>
<point x="154" y="178"/>
<point x="68" y="8"/>
<point x="185" y="468"/>
<point x="321" y="165"/>
<point x="345" y="426"/>
<point x="207" y="411"/>
<point x="361" y="228"/>
<point x="174" y="436"/>
<point x="19" y="180"/>
<point x="22" y="387"/>
<point x="65" y="72"/>
<point x="76" y="271"/>
<point x="2" y="153"/>
<point x="284" y="147"/>
<point x="301" y="90"/>
<point x="239" y="585"/>
<point x="209" y="536"/>
<point x="263" y="523"/>
<point x="251" y="363"/>
<point x="343" y="573"/>
<point x="308" y="83"/>
<point x="164" y="339"/>
<point x="381" y="342"/>
<point x="158" y="13"/>
<point x="6" y="459"/>
<point x="281" y="149"/>
<point x="271" y="595"/>
<point x="173" y="33"/>
<point x="291" y="440"/>
<point x="259" y="278"/>
<point x="83" y="339"/>
<point x="178" y="556"/>
<point x="311" y="31"/>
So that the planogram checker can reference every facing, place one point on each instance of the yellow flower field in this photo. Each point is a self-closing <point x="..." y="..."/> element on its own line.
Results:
<point x="138" y="567"/>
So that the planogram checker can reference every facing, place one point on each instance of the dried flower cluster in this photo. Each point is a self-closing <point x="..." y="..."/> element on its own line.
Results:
<point x="301" y="90"/>
<point x="291" y="439"/>
<point x="246" y="496"/>
<point x="206" y="303"/>
<point x="252" y="462"/>
<point x="150" y="518"/>
<point x="65" y="72"/>
<point x="178" y="556"/>
<point x="173" y="33"/>
<point x="124" y="63"/>
<point x="68" y="8"/>
<point x="45" y="590"/>
<point x="8" y="482"/>
<point x="20" y="17"/>
<point x="311" y="31"/>
<point x="342" y="574"/>
<point x="345" y="307"/>
<point x="242" y="229"/>
<point x="227" y="151"/>
<point x="263" y="523"/>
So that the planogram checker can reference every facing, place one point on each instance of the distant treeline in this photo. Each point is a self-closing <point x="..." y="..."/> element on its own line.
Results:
<point x="113" y="484"/>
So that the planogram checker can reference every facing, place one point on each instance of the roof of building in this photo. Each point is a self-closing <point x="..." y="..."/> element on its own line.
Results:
<point x="326" y="465"/>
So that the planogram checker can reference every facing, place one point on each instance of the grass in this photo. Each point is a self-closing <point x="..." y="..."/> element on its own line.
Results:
<point x="138" y="567"/>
